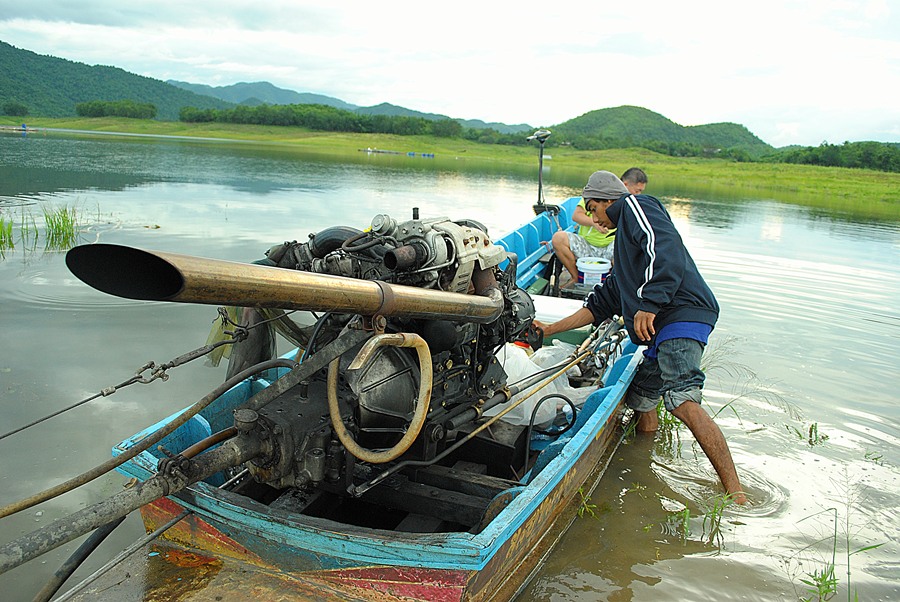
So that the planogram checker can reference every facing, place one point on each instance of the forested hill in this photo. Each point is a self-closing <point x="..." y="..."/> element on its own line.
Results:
<point x="635" y="126"/>
<point x="257" y="93"/>
<point x="51" y="87"/>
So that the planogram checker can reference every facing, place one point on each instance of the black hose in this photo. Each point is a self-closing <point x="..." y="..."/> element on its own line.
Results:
<point x="312" y="337"/>
<point x="331" y="239"/>
<point x="350" y="245"/>
<point x="550" y="433"/>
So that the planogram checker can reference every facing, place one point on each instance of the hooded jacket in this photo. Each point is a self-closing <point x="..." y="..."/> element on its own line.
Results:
<point x="652" y="270"/>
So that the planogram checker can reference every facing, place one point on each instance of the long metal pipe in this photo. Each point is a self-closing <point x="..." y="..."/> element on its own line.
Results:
<point x="232" y="453"/>
<point x="158" y="276"/>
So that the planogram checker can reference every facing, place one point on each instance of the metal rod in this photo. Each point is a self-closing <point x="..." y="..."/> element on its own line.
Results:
<point x="137" y="545"/>
<point x="143" y="444"/>
<point x="75" y="560"/>
<point x="134" y="547"/>
<point x="19" y="551"/>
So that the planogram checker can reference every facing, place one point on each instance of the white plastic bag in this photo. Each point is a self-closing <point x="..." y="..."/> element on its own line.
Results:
<point x="518" y="365"/>
<point x="556" y="353"/>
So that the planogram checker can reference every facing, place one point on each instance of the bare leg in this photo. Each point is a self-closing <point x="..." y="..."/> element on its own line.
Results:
<point x="564" y="253"/>
<point x="647" y="422"/>
<point x="710" y="438"/>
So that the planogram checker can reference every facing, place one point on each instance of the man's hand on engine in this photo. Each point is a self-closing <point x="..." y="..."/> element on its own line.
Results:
<point x="533" y="335"/>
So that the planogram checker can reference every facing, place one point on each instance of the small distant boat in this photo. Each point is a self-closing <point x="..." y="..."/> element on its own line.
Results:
<point x="18" y="128"/>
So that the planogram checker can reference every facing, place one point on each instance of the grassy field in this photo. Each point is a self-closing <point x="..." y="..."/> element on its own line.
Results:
<point x="862" y="193"/>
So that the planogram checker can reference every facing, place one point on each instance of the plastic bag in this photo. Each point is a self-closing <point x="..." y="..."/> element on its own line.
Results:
<point x="518" y="365"/>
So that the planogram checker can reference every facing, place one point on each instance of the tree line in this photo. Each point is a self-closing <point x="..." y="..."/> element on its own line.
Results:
<point x="15" y="109"/>
<point x="331" y="119"/>
<point x="866" y="155"/>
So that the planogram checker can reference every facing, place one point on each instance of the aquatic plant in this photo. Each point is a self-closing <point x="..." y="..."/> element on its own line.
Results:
<point x="876" y="457"/>
<point x="679" y="523"/>
<point x="586" y="507"/>
<point x="28" y="229"/>
<point x="714" y="509"/>
<point x="821" y="583"/>
<point x="6" y="238"/>
<point x="719" y="357"/>
<point x="61" y="228"/>
<point x="821" y="554"/>
<point x="812" y="435"/>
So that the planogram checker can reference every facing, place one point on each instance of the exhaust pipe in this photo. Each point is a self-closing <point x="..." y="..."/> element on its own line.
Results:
<point x="157" y="276"/>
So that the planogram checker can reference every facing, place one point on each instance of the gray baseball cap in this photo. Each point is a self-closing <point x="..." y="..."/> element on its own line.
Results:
<point x="604" y="185"/>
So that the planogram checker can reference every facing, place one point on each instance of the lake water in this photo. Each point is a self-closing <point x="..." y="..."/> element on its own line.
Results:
<point x="804" y="356"/>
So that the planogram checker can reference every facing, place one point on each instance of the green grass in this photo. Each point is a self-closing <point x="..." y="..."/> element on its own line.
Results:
<point x="6" y="237"/>
<point x="832" y="536"/>
<point x="679" y="523"/>
<point x="60" y="227"/>
<point x="860" y="193"/>
<point x="585" y="506"/>
<point x="714" y="508"/>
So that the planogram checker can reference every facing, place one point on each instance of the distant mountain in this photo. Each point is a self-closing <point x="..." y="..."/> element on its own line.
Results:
<point x="726" y="135"/>
<point x="390" y="110"/>
<point x="620" y="123"/>
<point x="51" y="86"/>
<point x="503" y="128"/>
<point x="257" y="93"/>
<point x="638" y="126"/>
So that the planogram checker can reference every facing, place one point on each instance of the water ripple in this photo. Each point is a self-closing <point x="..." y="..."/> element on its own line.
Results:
<point x="39" y="291"/>
<point x="700" y="484"/>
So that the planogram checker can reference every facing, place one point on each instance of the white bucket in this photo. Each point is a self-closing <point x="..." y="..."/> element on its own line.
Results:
<point x="592" y="270"/>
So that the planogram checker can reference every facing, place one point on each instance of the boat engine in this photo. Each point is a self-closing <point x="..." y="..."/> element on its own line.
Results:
<point x="378" y="389"/>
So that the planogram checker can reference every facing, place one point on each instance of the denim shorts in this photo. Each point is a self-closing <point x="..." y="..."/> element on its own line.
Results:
<point x="674" y="375"/>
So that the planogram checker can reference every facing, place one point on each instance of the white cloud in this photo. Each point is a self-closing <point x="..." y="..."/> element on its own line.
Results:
<point x="791" y="71"/>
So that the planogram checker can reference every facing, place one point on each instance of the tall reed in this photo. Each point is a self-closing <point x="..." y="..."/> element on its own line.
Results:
<point x="6" y="238"/>
<point x="61" y="227"/>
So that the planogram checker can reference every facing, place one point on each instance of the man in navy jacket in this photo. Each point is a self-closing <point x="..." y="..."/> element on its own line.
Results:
<point x="656" y="287"/>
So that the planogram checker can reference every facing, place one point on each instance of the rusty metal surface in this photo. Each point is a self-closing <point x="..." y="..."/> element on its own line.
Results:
<point x="163" y="573"/>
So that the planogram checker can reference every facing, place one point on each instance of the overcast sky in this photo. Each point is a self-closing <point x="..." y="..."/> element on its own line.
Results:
<point x="792" y="72"/>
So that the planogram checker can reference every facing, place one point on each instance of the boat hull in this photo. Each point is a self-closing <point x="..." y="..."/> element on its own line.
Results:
<point x="360" y="563"/>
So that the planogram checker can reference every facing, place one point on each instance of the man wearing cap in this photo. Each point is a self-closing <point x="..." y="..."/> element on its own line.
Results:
<point x="656" y="287"/>
<point x="592" y="239"/>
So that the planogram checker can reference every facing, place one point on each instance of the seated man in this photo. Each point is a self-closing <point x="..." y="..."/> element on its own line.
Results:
<point x="635" y="180"/>
<point x="592" y="238"/>
<point x="667" y="305"/>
